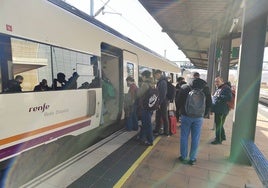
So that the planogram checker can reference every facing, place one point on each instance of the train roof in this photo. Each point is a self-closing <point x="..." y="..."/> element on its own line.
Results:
<point x="101" y="25"/>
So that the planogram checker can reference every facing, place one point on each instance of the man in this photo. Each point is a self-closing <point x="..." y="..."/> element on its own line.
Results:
<point x="131" y="108"/>
<point x="222" y="95"/>
<point x="161" y="113"/>
<point x="146" y="132"/>
<point x="42" y="86"/>
<point x="15" y="84"/>
<point x="192" y="124"/>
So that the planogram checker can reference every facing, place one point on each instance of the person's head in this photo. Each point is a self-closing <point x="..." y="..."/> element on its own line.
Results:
<point x="196" y="75"/>
<point x="146" y="74"/>
<point x="130" y="80"/>
<point x="179" y="79"/>
<point x="19" y="79"/>
<point x="44" y="82"/>
<point x="218" y="81"/>
<point x="158" y="74"/>
<point x="61" y="77"/>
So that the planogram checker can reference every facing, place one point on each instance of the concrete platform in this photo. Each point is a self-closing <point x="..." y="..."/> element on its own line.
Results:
<point x="161" y="168"/>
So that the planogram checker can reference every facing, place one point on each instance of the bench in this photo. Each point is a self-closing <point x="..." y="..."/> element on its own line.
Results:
<point x="258" y="161"/>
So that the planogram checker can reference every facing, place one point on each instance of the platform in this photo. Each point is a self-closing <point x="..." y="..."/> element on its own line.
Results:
<point x="132" y="165"/>
<point x="161" y="168"/>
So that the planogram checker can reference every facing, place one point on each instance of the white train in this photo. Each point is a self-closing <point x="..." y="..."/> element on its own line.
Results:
<point x="41" y="38"/>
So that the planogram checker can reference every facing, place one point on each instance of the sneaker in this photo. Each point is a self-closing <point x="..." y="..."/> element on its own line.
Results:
<point x="148" y="144"/>
<point x="192" y="162"/>
<point x="181" y="159"/>
<point x="215" y="142"/>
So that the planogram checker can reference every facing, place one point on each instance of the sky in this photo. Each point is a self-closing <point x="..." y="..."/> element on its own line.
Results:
<point x="131" y="19"/>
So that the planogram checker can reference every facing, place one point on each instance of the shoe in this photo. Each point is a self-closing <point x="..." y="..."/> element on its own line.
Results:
<point x="215" y="142"/>
<point x="181" y="159"/>
<point x="192" y="162"/>
<point x="165" y="134"/>
<point x="148" y="144"/>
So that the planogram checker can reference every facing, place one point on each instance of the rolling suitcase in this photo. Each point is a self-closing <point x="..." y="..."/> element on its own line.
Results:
<point x="172" y="119"/>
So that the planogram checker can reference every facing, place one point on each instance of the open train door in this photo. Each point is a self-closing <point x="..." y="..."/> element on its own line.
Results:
<point x="112" y="84"/>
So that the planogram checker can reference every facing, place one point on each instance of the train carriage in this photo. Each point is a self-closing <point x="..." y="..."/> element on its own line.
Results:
<point x="47" y="37"/>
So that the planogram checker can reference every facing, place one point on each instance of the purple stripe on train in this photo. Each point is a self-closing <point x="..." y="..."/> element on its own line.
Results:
<point x="30" y="143"/>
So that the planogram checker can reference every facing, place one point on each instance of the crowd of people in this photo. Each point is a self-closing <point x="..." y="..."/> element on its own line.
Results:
<point x="193" y="101"/>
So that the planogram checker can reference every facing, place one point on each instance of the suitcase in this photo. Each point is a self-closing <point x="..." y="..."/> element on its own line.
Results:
<point x="172" y="124"/>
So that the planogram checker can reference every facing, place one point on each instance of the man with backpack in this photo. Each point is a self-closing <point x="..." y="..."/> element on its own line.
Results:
<point x="147" y="107"/>
<point x="222" y="95"/>
<point x="193" y="98"/>
<point x="162" y="113"/>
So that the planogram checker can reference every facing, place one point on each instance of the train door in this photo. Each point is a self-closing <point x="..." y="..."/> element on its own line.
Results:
<point x="112" y="84"/>
<point x="131" y="65"/>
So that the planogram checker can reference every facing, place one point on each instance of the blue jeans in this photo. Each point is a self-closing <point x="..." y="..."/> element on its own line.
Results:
<point x="132" y="120"/>
<point x="146" y="132"/>
<point x="193" y="126"/>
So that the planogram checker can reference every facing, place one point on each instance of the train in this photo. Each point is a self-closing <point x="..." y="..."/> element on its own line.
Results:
<point x="39" y="40"/>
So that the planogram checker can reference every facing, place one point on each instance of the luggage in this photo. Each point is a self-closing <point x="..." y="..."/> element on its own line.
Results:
<point x="172" y="124"/>
<point x="172" y="118"/>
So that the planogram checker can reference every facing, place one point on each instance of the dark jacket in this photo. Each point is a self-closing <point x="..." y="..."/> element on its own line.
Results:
<point x="185" y="89"/>
<point x="13" y="86"/>
<point x="220" y="98"/>
<point x="162" y="89"/>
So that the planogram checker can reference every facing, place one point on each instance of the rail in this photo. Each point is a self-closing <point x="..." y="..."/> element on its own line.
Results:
<point x="258" y="161"/>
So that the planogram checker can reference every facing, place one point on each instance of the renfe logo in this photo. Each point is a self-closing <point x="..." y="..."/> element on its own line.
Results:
<point x="39" y="108"/>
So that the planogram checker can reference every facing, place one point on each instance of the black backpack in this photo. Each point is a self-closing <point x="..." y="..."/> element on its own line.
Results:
<point x="151" y="99"/>
<point x="171" y="91"/>
<point x="195" y="103"/>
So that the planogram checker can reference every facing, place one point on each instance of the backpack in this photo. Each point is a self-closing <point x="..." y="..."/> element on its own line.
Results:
<point x="195" y="103"/>
<point x="232" y="101"/>
<point x="171" y="91"/>
<point x="151" y="99"/>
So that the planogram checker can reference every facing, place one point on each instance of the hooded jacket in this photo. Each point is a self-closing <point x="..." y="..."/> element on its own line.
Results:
<point x="185" y="89"/>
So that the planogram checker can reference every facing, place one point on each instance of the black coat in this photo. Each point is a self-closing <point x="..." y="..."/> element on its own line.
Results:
<point x="185" y="89"/>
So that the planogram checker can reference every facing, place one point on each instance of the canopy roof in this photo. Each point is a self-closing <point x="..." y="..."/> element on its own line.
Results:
<point x="189" y="24"/>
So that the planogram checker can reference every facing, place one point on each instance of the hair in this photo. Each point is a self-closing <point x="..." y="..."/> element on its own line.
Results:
<point x="196" y="74"/>
<point x="179" y="79"/>
<point x="130" y="78"/>
<point x="146" y="74"/>
<point x="19" y="77"/>
<point x="158" y="71"/>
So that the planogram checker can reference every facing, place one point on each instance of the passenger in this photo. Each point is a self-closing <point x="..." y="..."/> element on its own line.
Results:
<point x="161" y="113"/>
<point x="146" y="132"/>
<point x="180" y="82"/>
<point x="131" y="105"/>
<point x="14" y="85"/>
<point x="207" y="93"/>
<point x="191" y="124"/>
<point x="60" y="82"/>
<point x="72" y="81"/>
<point x="42" y="86"/>
<point x="220" y="108"/>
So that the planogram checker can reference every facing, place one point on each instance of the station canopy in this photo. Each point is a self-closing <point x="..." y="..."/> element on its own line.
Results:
<point x="189" y="24"/>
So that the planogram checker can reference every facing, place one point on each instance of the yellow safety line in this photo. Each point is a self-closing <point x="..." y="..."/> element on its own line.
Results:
<point x="124" y="178"/>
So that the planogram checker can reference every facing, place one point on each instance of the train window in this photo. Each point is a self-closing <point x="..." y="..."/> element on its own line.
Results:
<point x="69" y="62"/>
<point x="130" y="69"/>
<point x="30" y="60"/>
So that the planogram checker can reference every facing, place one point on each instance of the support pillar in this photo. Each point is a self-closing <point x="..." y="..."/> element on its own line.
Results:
<point x="212" y="57"/>
<point x="225" y="63"/>
<point x="249" y="77"/>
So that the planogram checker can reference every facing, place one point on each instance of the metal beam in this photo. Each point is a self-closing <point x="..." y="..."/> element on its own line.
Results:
<point x="194" y="50"/>
<point x="188" y="33"/>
